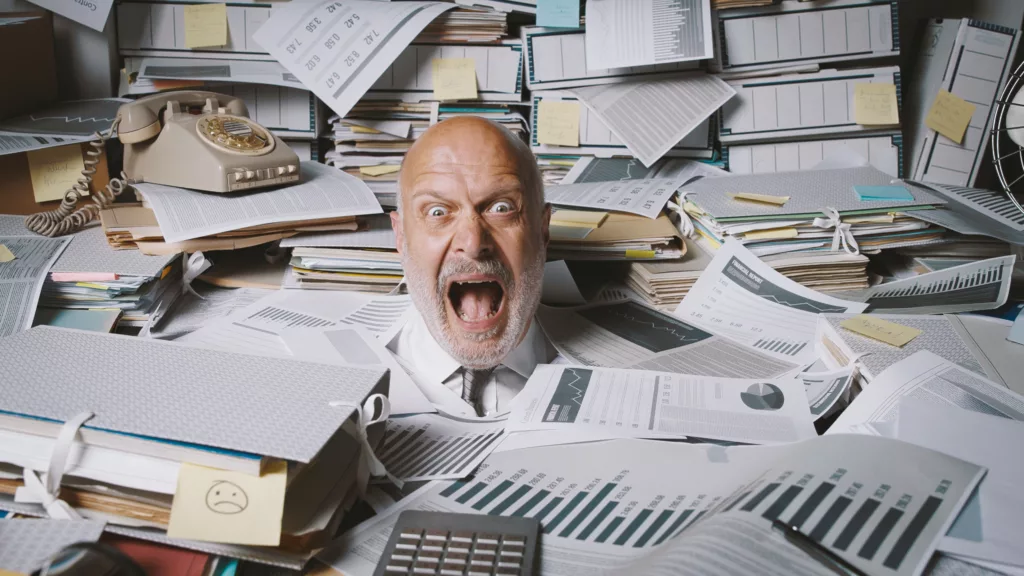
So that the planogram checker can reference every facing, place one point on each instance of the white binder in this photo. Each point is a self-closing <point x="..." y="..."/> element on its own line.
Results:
<point x="798" y="106"/>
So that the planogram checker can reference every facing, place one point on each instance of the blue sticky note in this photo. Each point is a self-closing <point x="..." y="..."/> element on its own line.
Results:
<point x="558" y="13"/>
<point x="875" y="193"/>
<point x="1017" y="331"/>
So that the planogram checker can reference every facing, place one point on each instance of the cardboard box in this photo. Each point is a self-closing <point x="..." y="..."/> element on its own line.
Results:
<point x="16" y="195"/>
<point x="27" y="62"/>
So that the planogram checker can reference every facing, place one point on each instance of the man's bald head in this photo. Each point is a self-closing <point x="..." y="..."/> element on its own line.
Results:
<point x="468" y="140"/>
<point x="472" y="228"/>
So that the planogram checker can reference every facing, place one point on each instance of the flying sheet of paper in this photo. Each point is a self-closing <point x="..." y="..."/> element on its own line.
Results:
<point x="741" y="297"/>
<point x="624" y="33"/>
<point x="226" y="506"/>
<point x="978" y="285"/>
<point x="875" y="104"/>
<point x="927" y="376"/>
<point x="642" y="197"/>
<point x="558" y="122"/>
<point x="454" y="78"/>
<point x="206" y="25"/>
<point x="219" y="70"/>
<point x="950" y="115"/>
<point x="631" y="335"/>
<point x="356" y="346"/>
<point x="990" y="526"/>
<point x="647" y="404"/>
<point x="882" y="330"/>
<point x="437" y="446"/>
<point x="324" y="192"/>
<point x="647" y="116"/>
<point x="93" y="13"/>
<point x="558" y="13"/>
<point x="54" y="171"/>
<point x="340" y="48"/>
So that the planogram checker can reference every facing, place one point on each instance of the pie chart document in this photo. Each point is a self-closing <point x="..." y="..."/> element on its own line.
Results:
<point x="648" y="404"/>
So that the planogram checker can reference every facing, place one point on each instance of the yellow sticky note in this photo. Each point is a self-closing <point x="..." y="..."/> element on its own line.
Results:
<point x="950" y="115"/>
<point x="5" y="254"/>
<point x="578" y="218"/>
<point x="206" y="25"/>
<point x="54" y="171"/>
<point x="9" y="573"/>
<point x="761" y="198"/>
<point x="773" y="234"/>
<point x="882" y="330"/>
<point x="230" y="507"/>
<point x="379" y="170"/>
<point x="644" y="254"/>
<point x="363" y="130"/>
<point x="558" y="123"/>
<point x="875" y="104"/>
<point x="454" y="79"/>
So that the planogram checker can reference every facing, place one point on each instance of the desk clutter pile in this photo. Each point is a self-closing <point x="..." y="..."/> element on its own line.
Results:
<point x="782" y="296"/>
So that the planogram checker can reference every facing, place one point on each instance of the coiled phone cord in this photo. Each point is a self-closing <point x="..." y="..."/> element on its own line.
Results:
<point x="67" y="219"/>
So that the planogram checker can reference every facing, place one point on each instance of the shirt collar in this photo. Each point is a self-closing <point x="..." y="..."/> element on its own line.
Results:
<point x="434" y="364"/>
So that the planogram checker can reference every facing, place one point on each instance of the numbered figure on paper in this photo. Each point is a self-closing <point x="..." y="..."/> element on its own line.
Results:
<point x="226" y="497"/>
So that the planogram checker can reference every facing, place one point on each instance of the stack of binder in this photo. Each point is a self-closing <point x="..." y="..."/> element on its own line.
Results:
<point x="365" y="260"/>
<point x="88" y="275"/>
<point x="819" y="211"/>
<point x="199" y="451"/>
<point x="619" y="237"/>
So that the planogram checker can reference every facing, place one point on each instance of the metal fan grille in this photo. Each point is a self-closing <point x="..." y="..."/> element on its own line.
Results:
<point x="1004" y="150"/>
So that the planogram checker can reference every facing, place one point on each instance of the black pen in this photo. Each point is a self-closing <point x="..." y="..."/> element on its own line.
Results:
<point x="815" y="550"/>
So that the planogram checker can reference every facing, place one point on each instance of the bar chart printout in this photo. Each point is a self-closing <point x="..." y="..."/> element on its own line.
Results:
<point x="623" y="506"/>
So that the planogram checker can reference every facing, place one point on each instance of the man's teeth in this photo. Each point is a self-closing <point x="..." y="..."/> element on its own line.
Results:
<point x="466" y="317"/>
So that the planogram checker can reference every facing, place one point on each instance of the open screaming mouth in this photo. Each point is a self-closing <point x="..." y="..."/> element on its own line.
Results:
<point x="476" y="299"/>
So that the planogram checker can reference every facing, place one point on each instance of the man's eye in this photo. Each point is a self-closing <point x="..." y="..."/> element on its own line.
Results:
<point x="437" y="211"/>
<point x="501" y="207"/>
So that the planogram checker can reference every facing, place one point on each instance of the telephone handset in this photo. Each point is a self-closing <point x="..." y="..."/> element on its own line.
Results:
<point x="189" y="139"/>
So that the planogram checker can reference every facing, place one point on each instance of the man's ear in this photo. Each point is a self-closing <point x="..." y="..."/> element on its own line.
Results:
<point x="396" y="225"/>
<point x="546" y="224"/>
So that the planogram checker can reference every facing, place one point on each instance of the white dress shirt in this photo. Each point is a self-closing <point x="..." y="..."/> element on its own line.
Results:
<point x="439" y="375"/>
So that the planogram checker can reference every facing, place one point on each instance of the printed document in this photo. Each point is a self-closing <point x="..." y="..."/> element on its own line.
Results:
<point x="642" y="197"/>
<point x="324" y="192"/>
<point x="826" y="389"/>
<point x="340" y="49"/>
<point x="437" y="446"/>
<point x="652" y="117"/>
<point x="741" y="297"/>
<point x="648" y="507"/>
<point x="92" y="13"/>
<point x="644" y="404"/>
<point x="928" y="378"/>
<point x="626" y="33"/>
<point x="980" y="285"/>
<point x="243" y="71"/>
<point x="632" y="335"/>
<point x="21" y="279"/>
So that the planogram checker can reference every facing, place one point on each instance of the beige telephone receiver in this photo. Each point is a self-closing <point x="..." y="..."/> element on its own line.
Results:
<point x="189" y="139"/>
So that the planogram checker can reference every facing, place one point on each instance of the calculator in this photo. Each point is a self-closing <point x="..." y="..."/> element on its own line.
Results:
<point x="449" y="544"/>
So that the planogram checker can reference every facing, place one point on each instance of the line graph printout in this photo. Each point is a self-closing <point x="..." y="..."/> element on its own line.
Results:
<point x="632" y="335"/>
<point x="741" y="297"/>
<point x="980" y="285"/>
<point x="643" y="404"/>
<point x="645" y="507"/>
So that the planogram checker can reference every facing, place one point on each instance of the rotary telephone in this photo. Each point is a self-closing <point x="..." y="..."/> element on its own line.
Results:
<point x="189" y="139"/>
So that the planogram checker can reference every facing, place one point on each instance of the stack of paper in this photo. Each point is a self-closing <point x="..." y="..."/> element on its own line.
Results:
<point x="371" y="141"/>
<point x="172" y="220"/>
<point x="89" y="275"/>
<point x="618" y="237"/>
<point x="811" y="210"/>
<point x="665" y="284"/>
<point x="365" y="260"/>
<point x="466" y="25"/>
<point x="201" y="451"/>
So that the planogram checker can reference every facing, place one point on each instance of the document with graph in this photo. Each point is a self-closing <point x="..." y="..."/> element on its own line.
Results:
<point x="646" y="404"/>
<point x="647" y="507"/>
<point x="741" y="297"/>
<point x="625" y="33"/>
<point x="437" y="446"/>
<point x="632" y="335"/>
<point x="980" y="285"/>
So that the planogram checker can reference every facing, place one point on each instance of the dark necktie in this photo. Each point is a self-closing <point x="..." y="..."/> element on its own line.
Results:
<point x="473" y="382"/>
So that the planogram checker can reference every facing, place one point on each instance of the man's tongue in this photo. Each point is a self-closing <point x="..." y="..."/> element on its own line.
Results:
<point x="478" y="301"/>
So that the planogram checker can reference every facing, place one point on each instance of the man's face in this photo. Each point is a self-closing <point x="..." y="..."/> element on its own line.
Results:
<point x="473" y="240"/>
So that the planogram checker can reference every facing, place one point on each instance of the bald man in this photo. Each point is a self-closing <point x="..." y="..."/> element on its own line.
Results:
<point x="472" y="229"/>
